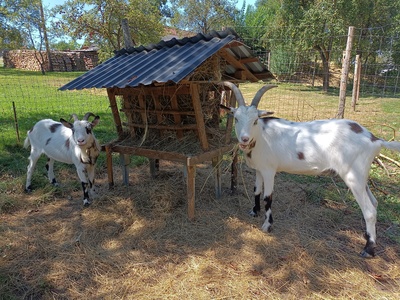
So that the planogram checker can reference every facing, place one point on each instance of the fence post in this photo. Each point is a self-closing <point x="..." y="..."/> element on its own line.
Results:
<point x="345" y="73"/>
<point x="356" y="82"/>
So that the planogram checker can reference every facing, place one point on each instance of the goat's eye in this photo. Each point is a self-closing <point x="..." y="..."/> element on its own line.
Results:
<point x="255" y="122"/>
<point x="236" y="120"/>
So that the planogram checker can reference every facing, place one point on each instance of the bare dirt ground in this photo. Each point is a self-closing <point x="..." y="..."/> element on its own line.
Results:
<point x="136" y="242"/>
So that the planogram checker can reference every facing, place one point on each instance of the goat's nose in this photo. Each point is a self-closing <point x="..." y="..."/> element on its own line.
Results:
<point x="245" y="139"/>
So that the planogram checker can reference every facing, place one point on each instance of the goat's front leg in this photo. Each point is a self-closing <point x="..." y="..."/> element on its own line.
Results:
<point x="257" y="194"/>
<point x="90" y="175"/>
<point x="268" y="180"/>
<point x="85" y="184"/>
<point x="50" y="171"/>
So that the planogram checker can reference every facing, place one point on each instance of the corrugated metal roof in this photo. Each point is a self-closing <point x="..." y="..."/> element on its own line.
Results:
<point x="171" y="61"/>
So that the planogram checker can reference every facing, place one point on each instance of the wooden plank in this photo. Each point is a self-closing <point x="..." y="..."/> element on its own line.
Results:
<point x="164" y="127"/>
<point x="201" y="129"/>
<point x="180" y="89"/>
<point x="156" y="154"/>
<point x="170" y="112"/>
<point x="209" y="155"/>
<point x="114" y="110"/>
<point x="234" y="62"/>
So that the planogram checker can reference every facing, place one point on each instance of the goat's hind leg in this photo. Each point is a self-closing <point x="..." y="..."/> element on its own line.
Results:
<point x="33" y="158"/>
<point x="368" y="205"/>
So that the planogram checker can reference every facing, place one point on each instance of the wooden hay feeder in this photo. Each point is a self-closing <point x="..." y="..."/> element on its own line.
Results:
<point x="179" y="123"/>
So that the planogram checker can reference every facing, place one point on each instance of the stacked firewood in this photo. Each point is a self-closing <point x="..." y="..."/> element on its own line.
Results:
<point x="62" y="61"/>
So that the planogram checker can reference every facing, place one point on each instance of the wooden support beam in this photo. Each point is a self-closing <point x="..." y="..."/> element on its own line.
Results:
<point x="201" y="128"/>
<point x="114" y="110"/>
<point x="234" y="62"/>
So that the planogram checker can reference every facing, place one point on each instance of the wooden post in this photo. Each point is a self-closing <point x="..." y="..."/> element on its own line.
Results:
<point x="125" y="161"/>
<point x="115" y="112"/>
<point x="201" y="128"/>
<point x="190" y="179"/>
<point x="345" y="73"/>
<point x="356" y="82"/>
<point x="216" y="163"/>
<point x="110" y="173"/>
<point x="234" y="171"/>
<point x="16" y="122"/>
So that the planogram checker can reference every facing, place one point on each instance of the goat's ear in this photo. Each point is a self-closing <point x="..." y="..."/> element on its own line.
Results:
<point x="96" y="121"/>
<point x="264" y="113"/>
<point x="66" y="123"/>
<point x="228" y="109"/>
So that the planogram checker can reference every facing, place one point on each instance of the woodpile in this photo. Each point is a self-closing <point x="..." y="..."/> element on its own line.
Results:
<point x="63" y="61"/>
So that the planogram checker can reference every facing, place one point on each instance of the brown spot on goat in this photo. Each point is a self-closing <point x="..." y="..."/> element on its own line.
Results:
<point x="373" y="137"/>
<point x="67" y="144"/>
<point x="355" y="127"/>
<point x="54" y="127"/>
<point x="300" y="155"/>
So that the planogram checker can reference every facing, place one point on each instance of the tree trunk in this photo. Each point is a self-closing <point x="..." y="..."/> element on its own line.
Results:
<point x="325" y="68"/>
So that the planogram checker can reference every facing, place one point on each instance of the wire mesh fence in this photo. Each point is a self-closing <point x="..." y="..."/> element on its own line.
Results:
<point x="26" y="97"/>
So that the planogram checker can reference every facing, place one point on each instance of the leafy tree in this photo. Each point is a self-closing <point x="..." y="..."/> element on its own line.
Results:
<point x="99" y="22"/>
<point x="203" y="15"/>
<point x="10" y="36"/>
<point x="295" y="27"/>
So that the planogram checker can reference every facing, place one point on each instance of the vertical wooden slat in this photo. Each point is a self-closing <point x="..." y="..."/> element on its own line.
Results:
<point x="177" y="118"/>
<point x="157" y="106"/>
<point x="190" y="179"/>
<point x="231" y="101"/>
<point x="201" y="129"/>
<point x="115" y="112"/>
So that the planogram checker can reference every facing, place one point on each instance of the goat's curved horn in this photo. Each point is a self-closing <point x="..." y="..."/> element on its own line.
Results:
<point x="260" y="93"/>
<point x="75" y="117"/>
<point x="236" y="91"/>
<point x="87" y="115"/>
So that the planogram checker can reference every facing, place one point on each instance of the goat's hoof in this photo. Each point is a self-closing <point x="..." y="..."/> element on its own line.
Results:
<point x="267" y="228"/>
<point x="365" y="254"/>
<point x="253" y="214"/>
<point x="28" y="190"/>
<point x="86" y="203"/>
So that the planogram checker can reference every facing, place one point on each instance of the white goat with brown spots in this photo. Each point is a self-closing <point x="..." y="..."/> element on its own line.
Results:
<point x="71" y="143"/>
<point x="274" y="145"/>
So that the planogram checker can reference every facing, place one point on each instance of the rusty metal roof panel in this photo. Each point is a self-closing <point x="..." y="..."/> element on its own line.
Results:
<point x="167" y="61"/>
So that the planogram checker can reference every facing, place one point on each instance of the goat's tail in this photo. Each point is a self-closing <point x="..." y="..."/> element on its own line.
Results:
<point x="394" y="145"/>
<point x="27" y="142"/>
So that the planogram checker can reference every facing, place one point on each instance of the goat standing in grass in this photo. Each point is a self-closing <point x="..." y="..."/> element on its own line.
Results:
<point x="274" y="145"/>
<point x="71" y="143"/>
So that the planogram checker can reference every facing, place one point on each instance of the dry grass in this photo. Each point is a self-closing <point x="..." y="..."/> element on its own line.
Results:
<point x="136" y="243"/>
